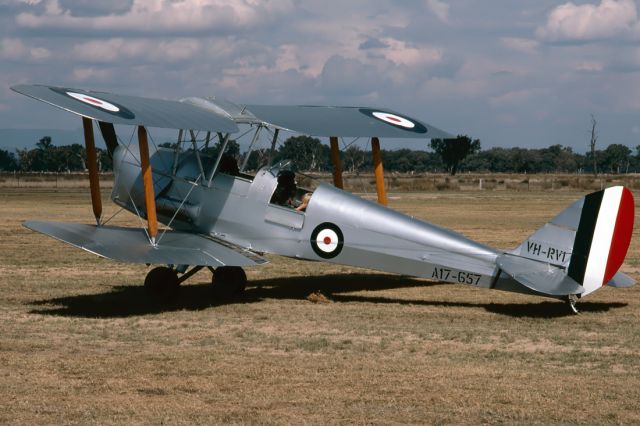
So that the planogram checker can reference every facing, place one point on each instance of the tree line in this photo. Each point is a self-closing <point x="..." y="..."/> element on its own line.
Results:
<point x="462" y="154"/>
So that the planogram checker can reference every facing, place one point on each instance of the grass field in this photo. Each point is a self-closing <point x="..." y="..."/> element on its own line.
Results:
<point x="80" y="344"/>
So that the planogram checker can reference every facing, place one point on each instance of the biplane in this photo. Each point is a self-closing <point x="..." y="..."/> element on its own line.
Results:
<point x="215" y="215"/>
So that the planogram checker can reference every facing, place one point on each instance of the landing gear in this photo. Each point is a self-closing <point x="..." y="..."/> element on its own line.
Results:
<point x="572" y="299"/>
<point x="228" y="281"/>
<point x="162" y="284"/>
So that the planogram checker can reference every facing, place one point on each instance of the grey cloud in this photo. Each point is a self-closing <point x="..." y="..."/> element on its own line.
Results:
<point x="372" y="43"/>
<point x="608" y="20"/>
<point x="91" y="8"/>
<point x="478" y="80"/>
<point x="163" y="18"/>
<point x="350" y="77"/>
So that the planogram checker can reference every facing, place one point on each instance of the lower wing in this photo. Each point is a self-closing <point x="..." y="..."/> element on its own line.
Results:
<point x="132" y="245"/>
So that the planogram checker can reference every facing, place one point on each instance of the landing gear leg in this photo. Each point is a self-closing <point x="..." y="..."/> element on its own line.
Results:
<point x="228" y="281"/>
<point x="572" y="299"/>
<point x="162" y="284"/>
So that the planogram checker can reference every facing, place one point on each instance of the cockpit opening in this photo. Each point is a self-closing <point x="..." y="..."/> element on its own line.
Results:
<point x="287" y="193"/>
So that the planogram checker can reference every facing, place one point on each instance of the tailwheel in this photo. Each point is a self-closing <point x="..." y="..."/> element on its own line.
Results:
<point x="229" y="281"/>
<point x="162" y="284"/>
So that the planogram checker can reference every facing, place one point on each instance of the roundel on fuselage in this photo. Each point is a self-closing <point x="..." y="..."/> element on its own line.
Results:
<point x="327" y="240"/>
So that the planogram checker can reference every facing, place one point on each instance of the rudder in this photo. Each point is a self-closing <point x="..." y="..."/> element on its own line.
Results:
<point x="602" y="237"/>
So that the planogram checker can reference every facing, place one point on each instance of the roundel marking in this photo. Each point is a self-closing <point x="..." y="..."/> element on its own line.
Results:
<point x="94" y="101"/>
<point x="395" y="120"/>
<point x="97" y="103"/>
<point x="327" y="240"/>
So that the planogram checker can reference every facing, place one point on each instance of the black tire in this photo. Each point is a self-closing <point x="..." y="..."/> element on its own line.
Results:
<point x="162" y="284"/>
<point x="229" y="281"/>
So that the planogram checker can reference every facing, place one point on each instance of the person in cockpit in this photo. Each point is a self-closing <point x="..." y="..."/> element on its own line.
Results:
<point x="286" y="190"/>
<point x="305" y="202"/>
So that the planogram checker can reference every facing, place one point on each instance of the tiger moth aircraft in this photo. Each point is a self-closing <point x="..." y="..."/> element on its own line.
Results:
<point x="217" y="216"/>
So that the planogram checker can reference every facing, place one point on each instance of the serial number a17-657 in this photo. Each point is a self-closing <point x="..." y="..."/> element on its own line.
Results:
<point x="455" y="276"/>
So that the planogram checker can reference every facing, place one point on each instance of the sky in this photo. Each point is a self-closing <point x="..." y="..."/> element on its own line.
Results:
<point x="526" y="73"/>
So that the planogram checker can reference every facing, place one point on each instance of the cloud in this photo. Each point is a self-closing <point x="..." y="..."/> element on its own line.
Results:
<point x="15" y="49"/>
<point x="515" y="98"/>
<point x="148" y="50"/>
<point x="350" y="77"/>
<point x="611" y="19"/>
<point x="522" y="45"/>
<point x="92" y="74"/>
<point x="440" y="9"/>
<point x="158" y="17"/>
<point x="589" y="67"/>
<point x="401" y="52"/>
<point x="95" y="8"/>
<point x="372" y="43"/>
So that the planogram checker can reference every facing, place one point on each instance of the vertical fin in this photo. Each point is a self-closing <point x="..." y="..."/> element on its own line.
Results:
<point x="589" y="240"/>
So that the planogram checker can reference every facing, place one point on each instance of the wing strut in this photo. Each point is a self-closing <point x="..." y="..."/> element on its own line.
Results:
<point x="250" y="150"/>
<point x="92" y="165"/>
<point x="147" y="181"/>
<point x="379" y="171"/>
<point x="223" y="141"/>
<point x="274" y="141"/>
<point x="337" y="165"/>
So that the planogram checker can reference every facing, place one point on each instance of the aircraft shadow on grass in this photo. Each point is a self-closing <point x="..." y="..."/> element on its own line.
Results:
<point x="132" y="300"/>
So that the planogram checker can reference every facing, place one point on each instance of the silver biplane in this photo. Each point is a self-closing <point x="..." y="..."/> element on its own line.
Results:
<point x="216" y="216"/>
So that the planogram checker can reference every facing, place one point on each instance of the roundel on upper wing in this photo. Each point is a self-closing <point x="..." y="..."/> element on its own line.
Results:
<point x="96" y="102"/>
<point x="399" y="121"/>
<point x="327" y="240"/>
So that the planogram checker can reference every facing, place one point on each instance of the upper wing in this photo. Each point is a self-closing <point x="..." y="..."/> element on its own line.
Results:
<point x="325" y="120"/>
<point x="132" y="245"/>
<point x="133" y="110"/>
<point x="345" y="121"/>
<point x="223" y="116"/>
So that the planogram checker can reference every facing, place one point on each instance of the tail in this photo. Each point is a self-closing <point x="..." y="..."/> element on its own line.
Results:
<point x="579" y="250"/>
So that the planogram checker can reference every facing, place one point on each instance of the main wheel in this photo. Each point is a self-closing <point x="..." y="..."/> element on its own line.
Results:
<point x="229" y="281"/>
<point x="162" y="284"/>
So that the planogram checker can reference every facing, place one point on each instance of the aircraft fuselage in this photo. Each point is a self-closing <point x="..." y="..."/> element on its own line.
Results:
<point x="336" y="227"/>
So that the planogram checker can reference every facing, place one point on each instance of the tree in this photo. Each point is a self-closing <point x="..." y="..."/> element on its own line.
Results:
<point x="27" y="160"/>
<point x="307" y="153"/>
<point x="453" y="151"/>
<point x="615" y="158"/>
<point x="354" y="158"/>
<point x="7" y="161"/>
<point x="592" y="144"/>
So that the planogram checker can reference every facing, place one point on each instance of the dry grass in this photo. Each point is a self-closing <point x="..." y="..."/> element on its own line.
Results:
<point x="79" y="343"/>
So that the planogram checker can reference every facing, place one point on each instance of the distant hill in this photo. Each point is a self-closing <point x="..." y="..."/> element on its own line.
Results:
<point x="12" y="139"/>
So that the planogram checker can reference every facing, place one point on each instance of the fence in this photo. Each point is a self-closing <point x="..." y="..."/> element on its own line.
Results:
<point x="395" y="182"/>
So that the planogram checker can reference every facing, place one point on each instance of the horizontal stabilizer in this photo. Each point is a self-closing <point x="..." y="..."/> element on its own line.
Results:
<point x="132" y="245"/>
<point x="621" y="280"/>
<point x="538" y="276"/>
<point x="130" y="110"/>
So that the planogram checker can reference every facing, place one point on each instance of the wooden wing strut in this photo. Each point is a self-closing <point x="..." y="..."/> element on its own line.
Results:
<point x="147" y="181"/>
<point x="92" y="166"/>
<point x="379" y="171"/>
<point x="337" y="165"/>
